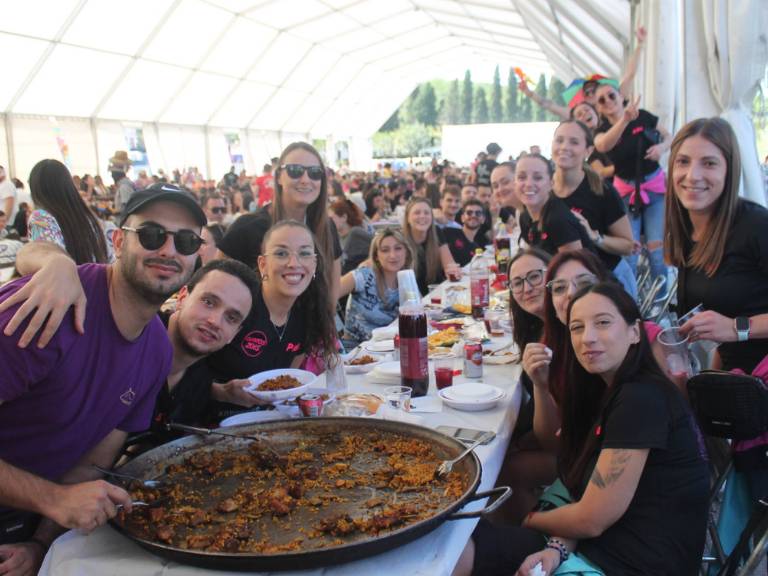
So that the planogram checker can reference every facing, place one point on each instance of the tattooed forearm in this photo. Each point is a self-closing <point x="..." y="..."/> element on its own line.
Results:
<point x="616" y="468"/>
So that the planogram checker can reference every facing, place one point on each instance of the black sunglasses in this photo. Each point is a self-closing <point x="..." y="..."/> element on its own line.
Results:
<point x="602" y="100"/>
<point x="153" y="237"/>
<point x="296" y="171"/>
<point x="219" y="209"/>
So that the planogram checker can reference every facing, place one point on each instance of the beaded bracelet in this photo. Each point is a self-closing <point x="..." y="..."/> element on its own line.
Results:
<point x="559" y="545"/>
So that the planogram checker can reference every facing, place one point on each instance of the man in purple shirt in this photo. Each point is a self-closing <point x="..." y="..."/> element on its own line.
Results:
<point x="69" y="405"/>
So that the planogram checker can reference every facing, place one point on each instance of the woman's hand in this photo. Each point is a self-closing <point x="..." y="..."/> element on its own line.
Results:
<point x="536" y="361"/>
<point x="22" y="559"/>
<point x="585" y="224"/>
<point x="453" y="271"/>
<point x="632" y="111"/>
<point x="234" y="392"/>
<point x="524" y="88"/>
<point x="48" y="294"/>
<point x="709" y="325"/>
<point x="655" y="152"/>
<point x="549" y="559"/>
<point x="641" y="34"/>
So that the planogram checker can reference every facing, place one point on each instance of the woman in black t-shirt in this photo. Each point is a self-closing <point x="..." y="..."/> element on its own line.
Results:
<point x="288" y="318"/>
<point x="630" y="459"/>
<point x="546" y="223"/>
<point x="719" y="243"/>
<point x="595" y="203"/>
<point x="433" y="257"/>
<point x="587" y="114"/>
<point x="634" y="141"/>
<point x="301" y="194"/>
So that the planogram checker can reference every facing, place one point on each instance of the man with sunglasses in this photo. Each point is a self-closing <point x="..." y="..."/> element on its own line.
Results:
<point x="215" y="208"/>
<point x="68" y="400"/>
<point x="464" y="241"/>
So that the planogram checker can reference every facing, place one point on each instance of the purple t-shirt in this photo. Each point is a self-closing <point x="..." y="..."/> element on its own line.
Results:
<point x="61" y="401"/>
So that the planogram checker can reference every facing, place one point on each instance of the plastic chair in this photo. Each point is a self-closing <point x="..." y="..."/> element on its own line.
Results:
<point x="731" y="407"/>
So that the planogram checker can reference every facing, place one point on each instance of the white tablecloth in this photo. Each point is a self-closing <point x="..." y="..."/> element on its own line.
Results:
<point x="107" y="553"/>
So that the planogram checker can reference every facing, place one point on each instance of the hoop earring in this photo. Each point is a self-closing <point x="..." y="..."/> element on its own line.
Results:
<point x="314" y="275"/>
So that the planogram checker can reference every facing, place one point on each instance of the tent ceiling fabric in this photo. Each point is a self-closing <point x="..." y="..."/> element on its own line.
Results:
<point x="316" y="67"/>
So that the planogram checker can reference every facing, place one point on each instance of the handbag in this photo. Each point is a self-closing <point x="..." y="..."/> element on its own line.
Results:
<point x="729" y="405"/>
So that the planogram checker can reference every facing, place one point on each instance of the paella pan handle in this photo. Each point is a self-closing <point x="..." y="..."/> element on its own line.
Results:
<point x="503" y="492"/>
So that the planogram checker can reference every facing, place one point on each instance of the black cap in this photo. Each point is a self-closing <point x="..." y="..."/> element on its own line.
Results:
<point x="493" y="148"/>
<point x="165" y="193"/>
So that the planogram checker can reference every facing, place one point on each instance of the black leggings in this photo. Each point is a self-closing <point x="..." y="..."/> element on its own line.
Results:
<point x="499" y="550"/>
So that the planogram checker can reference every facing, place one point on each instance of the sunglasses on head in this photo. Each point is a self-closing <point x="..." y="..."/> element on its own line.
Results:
<point x="296" y="171"/>
<point x="153" y="237"/>
<point x="611" y="95"/>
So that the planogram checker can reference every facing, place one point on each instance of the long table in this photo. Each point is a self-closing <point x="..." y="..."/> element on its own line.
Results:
<point x="106" y="552"/>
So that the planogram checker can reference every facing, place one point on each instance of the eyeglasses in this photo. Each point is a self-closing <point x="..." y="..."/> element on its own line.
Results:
<point x="153" y="237"/>
<point x="602" y="101"/>
<point x="560" y="286"/>
<point x="296" y="171"/>
<point x="218" y="209"/>
<point x="283" y="256"/>
<point x="473" y="212"/>
<point x="534" y="278"/>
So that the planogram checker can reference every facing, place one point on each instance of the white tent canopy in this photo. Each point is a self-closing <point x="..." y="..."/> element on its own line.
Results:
<point x="294" y="68"/>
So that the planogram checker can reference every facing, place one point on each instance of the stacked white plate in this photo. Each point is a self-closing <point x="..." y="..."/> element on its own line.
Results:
<point x="471" y="396"/>
<point x="384" y="333"/>
<point x="379" y="346"/>
<point x="385" y="373"/>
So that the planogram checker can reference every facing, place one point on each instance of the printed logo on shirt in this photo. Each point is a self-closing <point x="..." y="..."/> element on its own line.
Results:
<point x="293" y="347"/>
<point x="128" y="397"/>
<point x="458" y="243"/>
<point x="637" y="130"/>
<point x="253" y="342"/>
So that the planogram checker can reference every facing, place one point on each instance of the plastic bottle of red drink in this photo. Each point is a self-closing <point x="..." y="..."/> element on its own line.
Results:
<point x="412" y="322"/>
<point x="479" y="284"/>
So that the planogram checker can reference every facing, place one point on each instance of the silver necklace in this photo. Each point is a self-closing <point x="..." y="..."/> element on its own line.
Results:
<point x="285" y="327"/>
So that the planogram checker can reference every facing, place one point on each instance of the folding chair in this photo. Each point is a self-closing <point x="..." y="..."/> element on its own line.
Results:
<point x="732" y="407"/>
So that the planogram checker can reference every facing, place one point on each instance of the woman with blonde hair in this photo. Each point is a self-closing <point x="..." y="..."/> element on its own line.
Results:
<point x="433" y="259"/>
<point x="374" y="296"/>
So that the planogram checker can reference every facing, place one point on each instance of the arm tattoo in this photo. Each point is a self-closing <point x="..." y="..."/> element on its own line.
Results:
<point x="616" y="468"/>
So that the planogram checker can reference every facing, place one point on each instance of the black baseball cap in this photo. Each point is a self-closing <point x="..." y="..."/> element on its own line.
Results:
<point x="493" y="148"/>
<point x="165" y="193"/>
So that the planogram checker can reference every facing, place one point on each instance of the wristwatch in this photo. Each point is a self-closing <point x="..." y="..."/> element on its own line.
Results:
<point x="599" y="240"/>
<point x="742" y="325"/>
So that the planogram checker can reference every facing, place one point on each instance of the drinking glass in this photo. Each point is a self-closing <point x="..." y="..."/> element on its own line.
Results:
<point x="675" y="348"/>
<point x="398" y="397"/>
<point x="443" y="371"/>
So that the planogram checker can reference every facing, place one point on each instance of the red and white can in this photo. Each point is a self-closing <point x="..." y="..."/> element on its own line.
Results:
<point x="473" y="359"/>
<point x="311" y="405"/>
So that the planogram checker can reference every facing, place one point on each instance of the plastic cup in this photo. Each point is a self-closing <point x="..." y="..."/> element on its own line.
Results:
<point x="443" y="372"/>
<point x="492" y="319"/>
<point x="398" y="397"/>
<point x="435" y="293"/>
<point x="675" y="348"/>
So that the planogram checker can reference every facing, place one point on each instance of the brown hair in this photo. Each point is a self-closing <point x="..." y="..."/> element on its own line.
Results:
<point x="378" y="271"/>
<point x="708" y="252"/>
<point x="593" y="178"/>
<point x="345" y="207"/>
<point x="317" y="213"/>
<point x="431" y="246"/>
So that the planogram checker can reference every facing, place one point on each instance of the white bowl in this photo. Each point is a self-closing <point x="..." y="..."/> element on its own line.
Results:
<point x="251" y="417"/>
<point x="471" y="392"/>
<point x="380" y="346"/>
<point x="364" y="368"/>
<point x="471" y="405"/>
<point x="306" y="379"/>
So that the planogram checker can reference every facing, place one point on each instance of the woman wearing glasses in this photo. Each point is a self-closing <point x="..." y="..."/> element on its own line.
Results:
<point x="62" y="217"/>
<point x="301" y="194"/>
<point x="546" y="223"/>
<point x="374" y="299"/>
<point x="433" y="257"/>
<point x="288" y="316"/>
<point x="526" y="466"/>
<point x="632" y="492"/>
<point x="634" y="141"/>
<point x="595" y="204"/>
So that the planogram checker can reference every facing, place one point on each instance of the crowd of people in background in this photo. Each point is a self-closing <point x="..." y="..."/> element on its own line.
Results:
<point x="316" y="253"/>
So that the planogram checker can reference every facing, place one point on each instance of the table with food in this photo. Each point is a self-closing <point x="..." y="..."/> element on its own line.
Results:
<point x="358" y="478"/>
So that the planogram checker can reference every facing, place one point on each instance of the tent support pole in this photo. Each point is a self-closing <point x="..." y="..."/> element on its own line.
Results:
<point x="11" y="168"/>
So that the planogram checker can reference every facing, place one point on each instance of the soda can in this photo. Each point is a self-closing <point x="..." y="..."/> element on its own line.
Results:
<point x="311" y="405"/>
<point x="473" y="359"/>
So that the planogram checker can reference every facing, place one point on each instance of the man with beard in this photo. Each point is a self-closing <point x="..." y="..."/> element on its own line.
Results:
<point x="68" y="405"/>
<point x="463" y="242"/>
